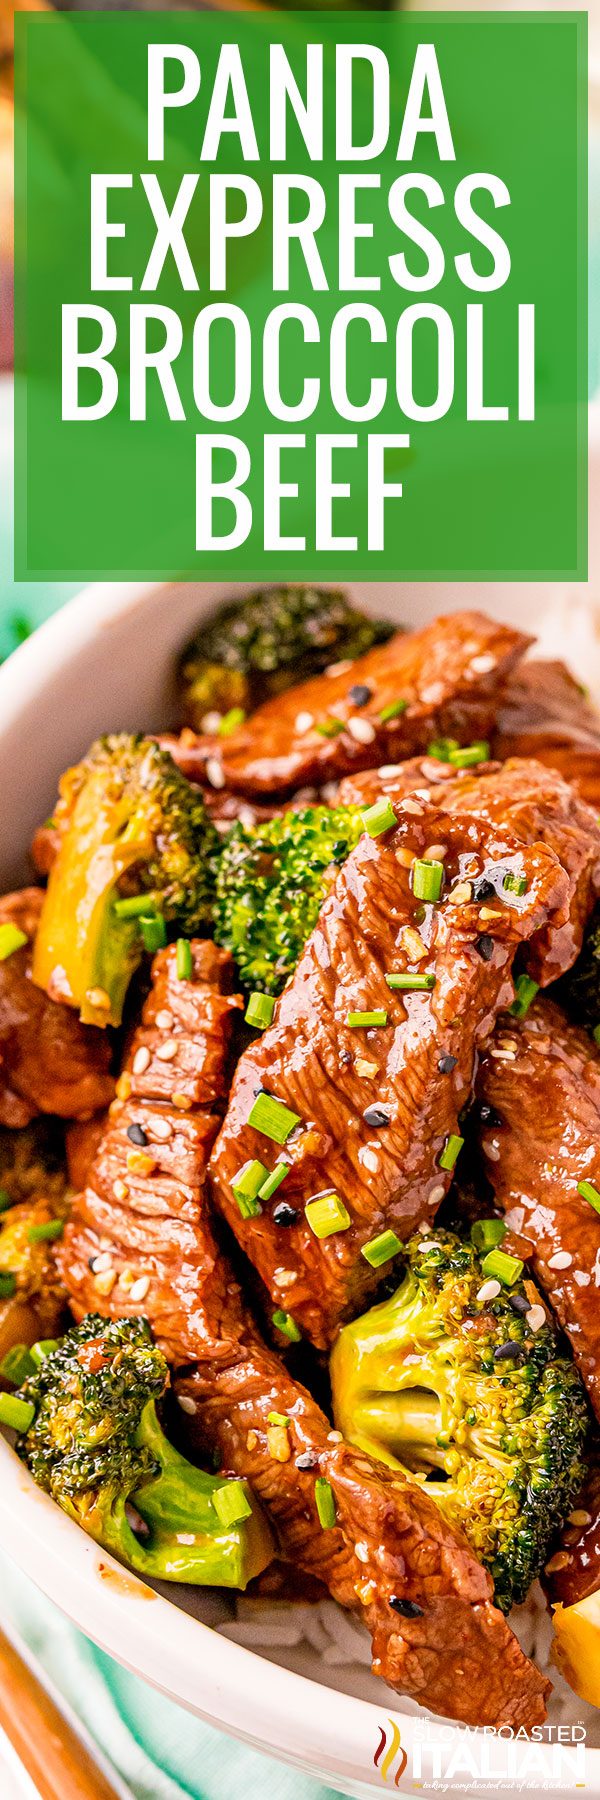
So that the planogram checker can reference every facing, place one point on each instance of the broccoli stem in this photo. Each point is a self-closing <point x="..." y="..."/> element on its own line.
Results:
<point x="186" y="1541"/>
<point x="81" y="935"/>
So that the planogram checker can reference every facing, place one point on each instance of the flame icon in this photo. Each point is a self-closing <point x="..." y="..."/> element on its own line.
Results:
<point x="389" y="1751"/>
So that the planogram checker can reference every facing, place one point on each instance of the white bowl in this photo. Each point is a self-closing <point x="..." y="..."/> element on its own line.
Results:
<point x="104" y="663"/>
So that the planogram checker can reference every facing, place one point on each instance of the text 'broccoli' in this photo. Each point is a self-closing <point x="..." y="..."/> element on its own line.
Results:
<point x="95" y="1443"/>
<point x="450" y="1381"/>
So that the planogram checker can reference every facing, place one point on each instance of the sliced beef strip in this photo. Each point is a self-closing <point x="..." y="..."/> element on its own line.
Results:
<point x="535" y="805"/>
<point x="573" y="1572"/>
<point x="449" y="674"/>
<point x="49" y="1062"/>
<point x="542" y="1080"/>
<point x="456" y="1653"/>
<point x="545" y="713"/>
<point x="417" y="1068"/>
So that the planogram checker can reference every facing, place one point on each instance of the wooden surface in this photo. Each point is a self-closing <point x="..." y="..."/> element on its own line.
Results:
<point x="57" y="1761"/>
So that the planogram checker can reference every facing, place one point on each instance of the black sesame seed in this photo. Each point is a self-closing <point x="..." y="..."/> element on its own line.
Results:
<point x="284" y="1214"/>
<point x="446" y="1064"/>
<point x="377" y="1116"/>
<point x="360" y="694"/>
<point x="519" y="1304"/>
<point x="136" y="1134"/>
<point x="484" y="946"/>
<point x="484" y="889"/>
<point x="407" y="1608"/>
<point x="308" y="1460"/>
<point x="510" y="1352"/>
<point x="345" y="1057"/>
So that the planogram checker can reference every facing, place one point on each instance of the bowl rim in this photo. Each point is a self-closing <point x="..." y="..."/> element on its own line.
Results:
<point x="229" y="1685"/>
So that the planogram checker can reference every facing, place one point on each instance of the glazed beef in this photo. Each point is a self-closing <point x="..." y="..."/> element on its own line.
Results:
<point x="377" y="1105"/>
<point x="535" y="805"/>
<point x="545" y="713"/>
<point x="542" y="1080"/>
<point x="147" y="1228"/>
<point x="573" y="1572"/>
<point x="444" y="680"/>
<point x="49" y="1062"/>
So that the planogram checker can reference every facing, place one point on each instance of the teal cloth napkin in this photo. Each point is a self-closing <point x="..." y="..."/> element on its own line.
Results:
<point x="159" y="1750"/>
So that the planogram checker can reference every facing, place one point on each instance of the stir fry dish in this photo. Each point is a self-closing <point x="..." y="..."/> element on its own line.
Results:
<point x="300" y="1140"/>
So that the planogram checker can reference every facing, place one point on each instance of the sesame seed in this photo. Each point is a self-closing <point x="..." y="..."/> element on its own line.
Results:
<point x="500" y="1055"/>
<point x="126" y="1279"/>
<point x="536" y="1317"/>
<point x="140" y="1162"/>
<point x="161" y="1129"/>
<point x="104" y="1283"/>
<point x="283" y="1278"/>
<point x="123" y="1087"/>
<point x="335" y="1437"/>
<point x="560" y="1561"/>
<point x="490" y="1149"/>
<point x="490" y="912"/>
<point x="339" y="668"/>
<point x="99" y="999"/>
<point x="483" y="665"/>
<point x="561" y="1260"/>
<point x="361" y="730"/>
<point x="210" y="722"/>
<point x="187" y="1405"/>
<point x="435" y="853"/>
<point x="141" y="1060"/>
<point x="390" y="769"/>
<point x="361" y="1550"/>
<point x="304" y="721"/>
<point x="140" y="1288"/>
<point x="247" y="817"/>
<point x="164" y="1020"/>
<point x="167" y="1052"/>
<point x="251" y="1440"/>
<point x="582" y="1279"/>
<point x="182" y="1102"/>
<point x="461" y="894"/>
<point x="412" y="807"/>
<point x="120" y="1190"/>
<point x="580" y="1517"/>
<point x="404" y="857"/>
<point x="437" y="1194"/>
<point x="412" y="944"/>
<point x="99" y="1263"/>
<point x="370" y="1160"/>
<point x="489" y="1291"/>
<point x="365" y="1069"/>
<point x="215" y="772"/>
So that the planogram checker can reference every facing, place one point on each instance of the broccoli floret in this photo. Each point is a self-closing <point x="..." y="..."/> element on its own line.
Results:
<point x="135" y="859"/>
<point x="464" y="1395"/>
<point x="272" y="880"/>
<point x="260" y="645"/>
<point x="579" y="990"/>
<point x="96" y="1446"/>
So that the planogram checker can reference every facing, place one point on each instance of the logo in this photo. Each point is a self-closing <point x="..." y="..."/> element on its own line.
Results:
<point x="389" y="1750"/>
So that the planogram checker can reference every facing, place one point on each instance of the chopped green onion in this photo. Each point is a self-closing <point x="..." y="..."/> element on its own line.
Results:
<point x="46" y="1232"/>
<point x="503" y="1268"/>
<point x="472" y="754"/>
<point x="427" y="879"/>
<point x="590" y="1193"/>
<point x="595" y="1035"/>
<point x="260" y="1009"/>
<point x="356" y="1019"/>
<point x="136" y="906"/>
<point x="441" y="747"/>
<point x="394" y="711"/>
<point x="379" y="817"/>
<point x="273" y="1181"/>
<point x="11" y="939"/>
<point x="515" y="884"/>
<point x="246" y="1187"/>
<point x="330" y="728"/>
<point x="276" y="1418"/>
<point x="381" y="1249"/>
<point x="8" y="1284"/>
<point x="451" y="1150"/>
<point x="231" y="720"/>
<point x="287" y="1325"/>
<point x="185" y="961"/>
<point x="411" y="983"/>
<point x="17" y="1365"/>
<point x="327" y="1214"/>
<point x="525" y="992"/>
<point x="154" y="933"/>
<point x="43" y="1348"/>
<point x="325" y="1503"/>
<point x="6" y="1200"/>
<point x="275" y="1120"/>
<point x="230" y="1504"/>
<point x="487" y="1234"/>
<point x="17" y="1414"/>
